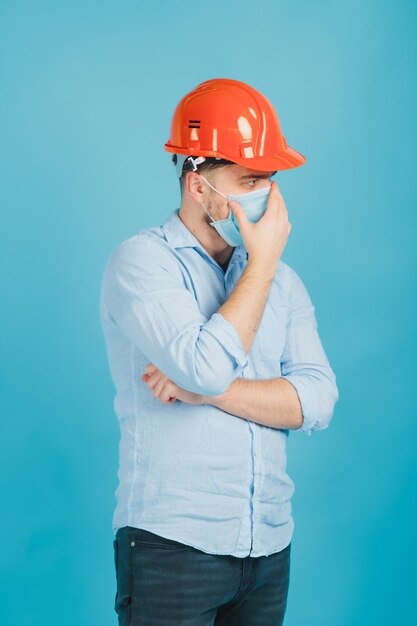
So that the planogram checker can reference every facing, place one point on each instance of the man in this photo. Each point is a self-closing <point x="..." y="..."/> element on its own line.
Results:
<point x="214" y="351"/>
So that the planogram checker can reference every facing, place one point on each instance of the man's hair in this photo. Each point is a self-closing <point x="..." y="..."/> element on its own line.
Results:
<point x="207" y="166"/>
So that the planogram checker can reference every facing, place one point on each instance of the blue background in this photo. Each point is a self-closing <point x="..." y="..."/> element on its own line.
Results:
<point x="88" y="90"/>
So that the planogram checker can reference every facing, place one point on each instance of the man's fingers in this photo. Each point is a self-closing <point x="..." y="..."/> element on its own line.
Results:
<point x="238" y="213"/>
<point x="164" y="389"/>
<point x="275" y="188"/>
<point x="153" y="378"/>
<point x="159" y="385"/>
<point x="167" y="394"/>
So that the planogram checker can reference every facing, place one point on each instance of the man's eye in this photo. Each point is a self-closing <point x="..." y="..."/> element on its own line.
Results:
<point x="252" y="181"/>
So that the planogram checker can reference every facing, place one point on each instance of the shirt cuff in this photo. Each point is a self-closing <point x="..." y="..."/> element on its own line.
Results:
<point x="308" y="401"/>
<point x="228" y="336"/>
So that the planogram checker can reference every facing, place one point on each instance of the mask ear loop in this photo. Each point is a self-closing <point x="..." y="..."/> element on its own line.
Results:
<point x="207" y="212"/>
<point x="217" y="191"/>
<point x="214" y="189"/>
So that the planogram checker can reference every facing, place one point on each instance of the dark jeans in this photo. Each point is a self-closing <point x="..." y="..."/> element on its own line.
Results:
<point x="163" y="582"/>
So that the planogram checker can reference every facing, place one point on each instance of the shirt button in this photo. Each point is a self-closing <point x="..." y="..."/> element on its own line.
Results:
<point x="132" y="543"/>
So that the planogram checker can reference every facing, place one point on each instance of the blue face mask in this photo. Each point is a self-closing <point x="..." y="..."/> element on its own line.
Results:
<point x="254" y="205"/>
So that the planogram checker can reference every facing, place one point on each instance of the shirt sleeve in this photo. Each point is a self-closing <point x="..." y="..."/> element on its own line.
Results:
<point x="304" y="362"/>
<point x="144" y="294"/>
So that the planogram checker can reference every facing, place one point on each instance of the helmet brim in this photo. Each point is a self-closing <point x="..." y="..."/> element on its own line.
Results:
<point x="286" y="159"/>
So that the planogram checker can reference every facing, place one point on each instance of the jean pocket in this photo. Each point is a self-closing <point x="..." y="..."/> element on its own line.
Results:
<point x="123" y="567"/>
<point x="147" y="538"/>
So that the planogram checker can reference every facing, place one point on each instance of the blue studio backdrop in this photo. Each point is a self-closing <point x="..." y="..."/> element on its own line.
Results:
<point x="88" y="90"/>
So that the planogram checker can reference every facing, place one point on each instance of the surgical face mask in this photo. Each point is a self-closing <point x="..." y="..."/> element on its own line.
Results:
<point x="254" y="205"/>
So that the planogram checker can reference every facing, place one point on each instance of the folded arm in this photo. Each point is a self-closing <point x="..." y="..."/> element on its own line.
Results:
<point x="144" y="295"/>
<point x="272" y="402"/>
<point x="303" y="398"/>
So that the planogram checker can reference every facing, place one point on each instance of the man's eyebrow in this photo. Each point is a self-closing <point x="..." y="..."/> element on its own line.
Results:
<point x="256" y="176"/>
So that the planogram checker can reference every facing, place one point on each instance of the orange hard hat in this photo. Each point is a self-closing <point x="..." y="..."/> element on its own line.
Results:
<point x="230" y="120"/>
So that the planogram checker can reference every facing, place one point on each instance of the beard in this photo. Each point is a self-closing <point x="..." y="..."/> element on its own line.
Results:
<point x="217" y="209"/>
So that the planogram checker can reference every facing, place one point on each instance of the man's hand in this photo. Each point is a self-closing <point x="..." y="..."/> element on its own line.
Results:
<point x="165" y="390"/>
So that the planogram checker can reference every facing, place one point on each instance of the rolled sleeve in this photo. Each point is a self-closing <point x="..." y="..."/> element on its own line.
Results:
<point x="144" y="295"/>
<point x="227" y="334"/>
<point x="304" y="362"/>
<point x="309" y="406"/>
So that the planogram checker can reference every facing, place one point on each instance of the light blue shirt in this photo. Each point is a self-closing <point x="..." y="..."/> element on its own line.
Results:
<point x="195" y="473"/>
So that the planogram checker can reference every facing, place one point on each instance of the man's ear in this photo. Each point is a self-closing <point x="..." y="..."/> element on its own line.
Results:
<point x="194" y="185"/>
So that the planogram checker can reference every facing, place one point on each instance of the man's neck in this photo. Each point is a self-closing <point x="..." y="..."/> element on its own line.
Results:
<point x="209" y="240"/>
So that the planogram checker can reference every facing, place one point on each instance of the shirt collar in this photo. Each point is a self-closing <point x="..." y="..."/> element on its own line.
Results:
<point x="179" y="236"/>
